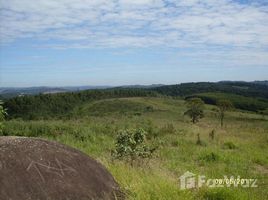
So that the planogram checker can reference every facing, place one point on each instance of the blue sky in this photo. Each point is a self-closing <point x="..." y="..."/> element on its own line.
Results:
<point x="119" y="42"/>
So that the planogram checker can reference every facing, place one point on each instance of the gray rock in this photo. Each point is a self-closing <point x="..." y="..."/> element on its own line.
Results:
<point x="37" y="169"/>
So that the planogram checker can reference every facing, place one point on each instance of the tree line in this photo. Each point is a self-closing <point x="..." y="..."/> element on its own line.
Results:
<point x="58" y="105"/>
<point x="44" y="106"/>
<point x="246" y="89"/>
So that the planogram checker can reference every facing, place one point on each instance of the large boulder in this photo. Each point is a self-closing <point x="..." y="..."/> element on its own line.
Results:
<point x="37" y="169"/>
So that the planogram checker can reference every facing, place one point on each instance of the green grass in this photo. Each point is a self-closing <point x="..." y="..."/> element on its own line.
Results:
<point x="240" y="148"/>
<point x="111" y="107"/>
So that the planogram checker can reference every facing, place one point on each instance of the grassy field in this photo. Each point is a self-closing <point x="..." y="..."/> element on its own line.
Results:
<point x="240" y="148"/>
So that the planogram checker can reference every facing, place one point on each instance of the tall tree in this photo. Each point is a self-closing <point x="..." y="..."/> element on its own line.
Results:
<point x="223" y="106"/>
<point x="195" y="109"/>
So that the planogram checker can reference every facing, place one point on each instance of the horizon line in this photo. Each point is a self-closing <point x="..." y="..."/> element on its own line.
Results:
<point x="126" y="85"/>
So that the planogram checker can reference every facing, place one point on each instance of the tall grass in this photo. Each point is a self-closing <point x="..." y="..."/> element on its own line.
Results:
<point x="238" y="149"/>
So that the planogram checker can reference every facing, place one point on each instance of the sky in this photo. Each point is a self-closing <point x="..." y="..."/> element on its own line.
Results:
<point x="126" y="42"/>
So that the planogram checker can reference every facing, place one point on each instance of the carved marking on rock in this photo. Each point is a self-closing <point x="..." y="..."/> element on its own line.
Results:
<point x="59" y="170"/>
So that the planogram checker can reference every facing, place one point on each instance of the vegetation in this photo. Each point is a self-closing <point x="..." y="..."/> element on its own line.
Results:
<point x="130" y="144"/>
<point x="199" y="141"/>
<point x="223" y="106"/>
<point x="2" y="117"/>
<point x="108" y="120"/>
<point x="195" y="109"/>
<point x="60" y="105"/>
<point x="245" y="96"/>
<point x="212" y="134"/>
<point x="229" y="145"/>
<point x="238" y="88"/>
<point x="254" y="104"/>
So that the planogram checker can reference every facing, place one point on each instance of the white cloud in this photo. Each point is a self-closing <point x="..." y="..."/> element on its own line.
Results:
<point x="139" y="23"/>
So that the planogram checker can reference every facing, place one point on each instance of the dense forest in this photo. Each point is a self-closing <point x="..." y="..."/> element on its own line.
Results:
<point x="248" y="89"/>
<point x="257" y="104"/>
<point x="244" y="95"/>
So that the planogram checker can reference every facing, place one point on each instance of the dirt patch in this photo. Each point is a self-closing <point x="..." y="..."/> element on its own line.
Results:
<point x="37" y="169"/>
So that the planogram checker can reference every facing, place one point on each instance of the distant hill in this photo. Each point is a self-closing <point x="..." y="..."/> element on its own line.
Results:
<point x="248" y="89"/>
<point x="59" y="102"/>
<point x="142" y="86"/>
<point x="254" y="104"/>
<point x="251" y="96"/>
<point x="9" y="92"/>
<point x="251" y="89"/>
<point x="261" y="82"/>
<point x="59" y="105"/>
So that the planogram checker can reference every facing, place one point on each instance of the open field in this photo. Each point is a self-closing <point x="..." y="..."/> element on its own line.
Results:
<point x="240" y="148"/>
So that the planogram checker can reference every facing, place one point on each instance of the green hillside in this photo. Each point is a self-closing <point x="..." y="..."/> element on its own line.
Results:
<point x="61" y="105"/>
<point x="240" y="148"/>
<point x="256" y="104"/>
<point x="248" y="89"/>
<point x="108" y="107"/>
<point x="253" y="96"/>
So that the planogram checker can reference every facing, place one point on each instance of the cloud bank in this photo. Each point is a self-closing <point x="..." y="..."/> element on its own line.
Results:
<point x="139" y="23"/>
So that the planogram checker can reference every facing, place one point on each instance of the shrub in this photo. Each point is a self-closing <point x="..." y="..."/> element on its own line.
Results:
<point x="137" y="113"/>
<point x="210" y="157"/>
<point x="130" y="145"/>
<point x="149" y="108"/>
<point x="175" y="143"/>
<point x="2" y="117"/>
<point x="212" y="134"/>
<point x="199" y="141"/>
<point x="223" y="106"/>
<point x="229" y="145"/>
<point x="195" y="109"/>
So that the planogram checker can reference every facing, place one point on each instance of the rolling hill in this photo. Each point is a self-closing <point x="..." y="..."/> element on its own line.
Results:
<point x="239" y="148"/>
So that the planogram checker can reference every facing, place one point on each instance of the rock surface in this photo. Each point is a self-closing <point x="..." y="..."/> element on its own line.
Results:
<point x="37" y="169"/>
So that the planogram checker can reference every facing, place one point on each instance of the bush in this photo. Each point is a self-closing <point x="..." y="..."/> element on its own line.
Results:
<point x="212" y="134"/>
<point x="210" y="157"/>
<point x="2" y="117"/>
<point x="199" y="141"/>
<point x="149" y="108"/>
<point x="175" y="143"/>
<point x="195" y="108"/>
<point x="130" y="145"/>
<point x="229" y="145"/>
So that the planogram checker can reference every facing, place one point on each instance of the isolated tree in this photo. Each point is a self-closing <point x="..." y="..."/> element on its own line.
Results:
<point x="2" y="117"/>
<point x="195" y="109"/>
<point x="223" y="106"/>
